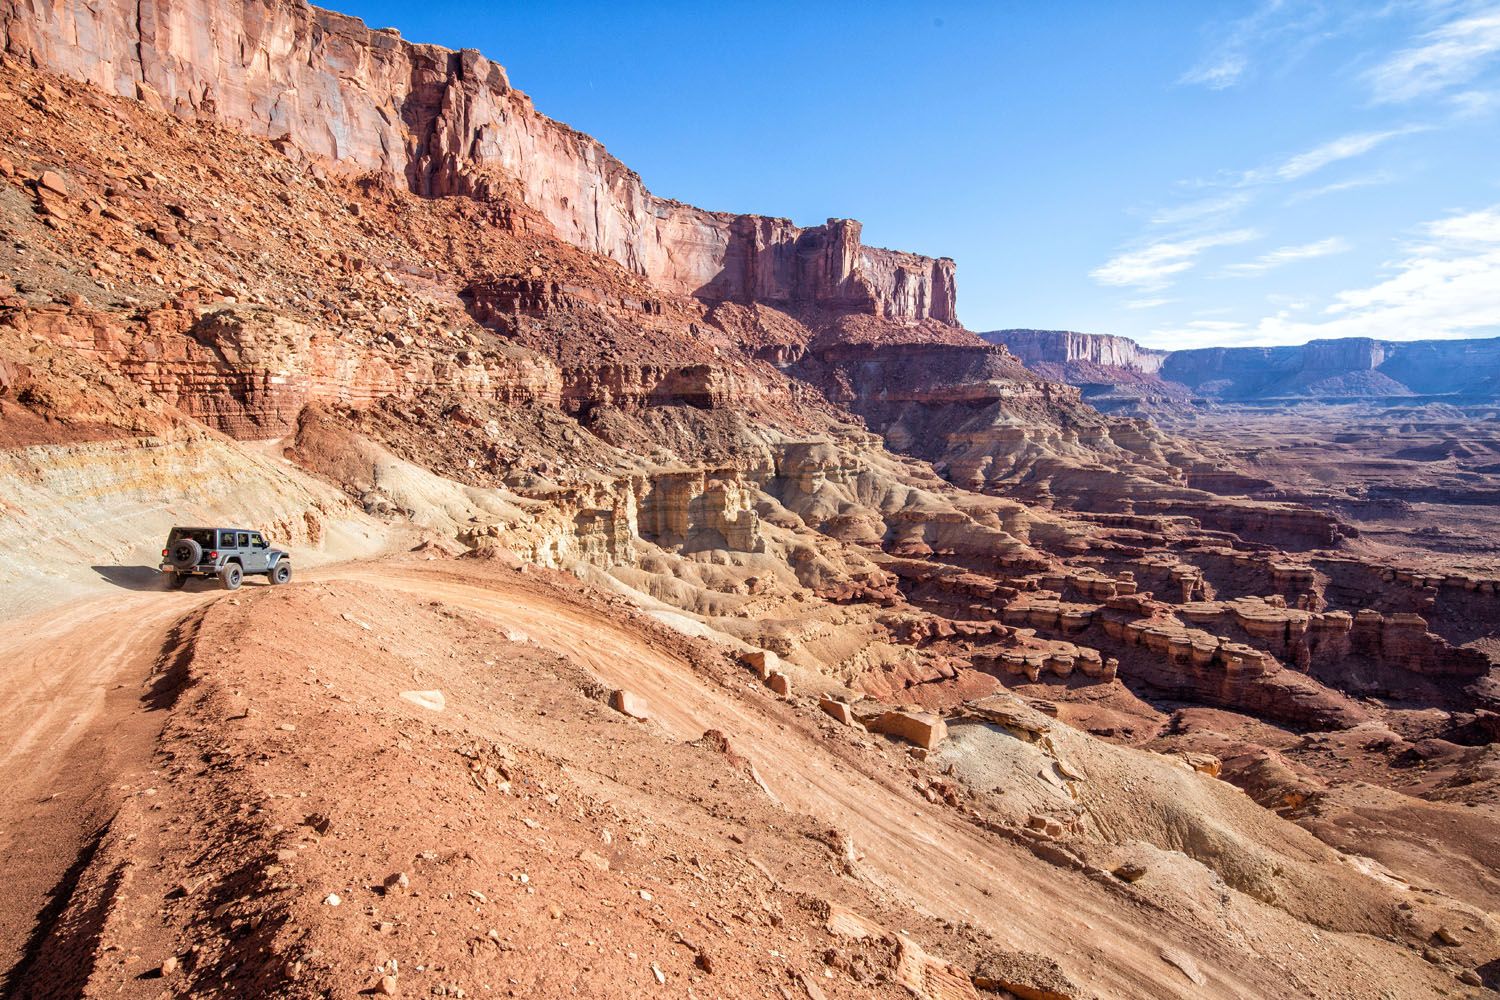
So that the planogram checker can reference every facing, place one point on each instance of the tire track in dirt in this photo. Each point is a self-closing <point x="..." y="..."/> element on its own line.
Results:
<point x="80" y="721"/>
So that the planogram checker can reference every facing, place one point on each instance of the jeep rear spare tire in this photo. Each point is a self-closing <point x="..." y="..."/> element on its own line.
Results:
<point x="185" y="553"/>
<point x="230" y="576"/>
<point x="280" y="573"/>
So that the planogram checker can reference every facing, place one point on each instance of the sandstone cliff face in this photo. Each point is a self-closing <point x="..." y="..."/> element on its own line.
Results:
<point x="1034" y="347"/>
<point x="1353" y="367"/>
<point x="449" y="123"/>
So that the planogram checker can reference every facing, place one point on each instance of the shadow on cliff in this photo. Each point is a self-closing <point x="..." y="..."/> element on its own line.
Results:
<point x="773" y="262"/>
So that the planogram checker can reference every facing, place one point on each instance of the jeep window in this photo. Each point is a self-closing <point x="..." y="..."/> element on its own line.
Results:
<point x="226" y="540"/>
<point x="204" y="538"/>
<point x="244" y="540"/>
<point x="257" y="541"/>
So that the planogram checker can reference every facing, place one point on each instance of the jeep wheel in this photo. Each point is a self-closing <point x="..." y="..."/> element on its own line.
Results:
<point x="185" y="553"/>
<point x="280" y="573"/>
<point x="230" y="576"/>
<point x="176" y="581"/>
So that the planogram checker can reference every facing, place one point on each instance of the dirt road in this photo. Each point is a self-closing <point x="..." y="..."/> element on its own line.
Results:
<point x="80" y="722"/>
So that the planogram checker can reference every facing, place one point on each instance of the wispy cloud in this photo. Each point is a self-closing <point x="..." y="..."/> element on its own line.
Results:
<point x="1282" y="256"/>
<point x="1277" y="34"/>
<point x="1348" y="184"/>
<point x="1228" y="60"/>
<point x="1200" y="210"/>
<point x="1446" y="285"/>
<point x="1150" y="267"/>
<point x="1345" y="147"/>
<point x="1447" y="56"/>
<point x="1470" y="104"/>
<point x="1220" y="72"/>
<point x="1148" y="303"/>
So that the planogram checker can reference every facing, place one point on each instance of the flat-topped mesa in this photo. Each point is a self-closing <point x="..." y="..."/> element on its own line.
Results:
<point x="449" y="123"/>
<point x="1352" y="367"/>
<point x="1061" y="347"/>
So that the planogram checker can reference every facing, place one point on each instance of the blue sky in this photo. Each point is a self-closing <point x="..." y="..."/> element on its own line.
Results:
<point x="1188" y="174"/>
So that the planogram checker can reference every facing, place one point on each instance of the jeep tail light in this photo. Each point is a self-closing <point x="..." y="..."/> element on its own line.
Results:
<point x="163" y="552"/>
<point x="213" y="555"/>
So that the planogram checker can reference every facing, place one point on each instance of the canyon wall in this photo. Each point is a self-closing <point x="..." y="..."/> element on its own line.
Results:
<point x="1353" y="367"/>
<point x="1347" y="367"/>
<point x="1062" y="347"/>
<point x="449" y="123"/>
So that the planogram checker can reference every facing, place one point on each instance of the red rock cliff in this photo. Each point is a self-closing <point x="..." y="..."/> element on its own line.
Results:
<point x="446" y="123"/>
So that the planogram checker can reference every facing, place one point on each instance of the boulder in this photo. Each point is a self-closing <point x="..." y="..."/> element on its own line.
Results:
<point x="629" y="703"/>
<point x="762" y="661"/>
<point x="1025" y="975"/>
<point x="1204" y="763"/>
<point x="838" y="709"/>
<point x="1015" y="719"/>
<point x="922" y="728"/>
<point x="928" y="977"/>
<point x="780" y="683"/>
<point x="1184" y="963"/>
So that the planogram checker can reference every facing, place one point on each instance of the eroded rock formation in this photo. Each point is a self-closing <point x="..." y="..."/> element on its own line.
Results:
<point x="445" y="122"/>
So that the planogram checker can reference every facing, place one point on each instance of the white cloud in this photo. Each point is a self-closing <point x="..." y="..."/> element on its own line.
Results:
<point x="1350" y="184"/>
<point x="1471" y="104"/>
<point x="1446" y="57"/>
<point x="1289" y="255"/>
<point x="1148" y="303"/>
<point x="1218" y="73"/>
<point x="1345" y="147"/>
<point x="1479" y="227"/>
<point x="1279" y="28"/>
<point x="1149" y="267"/>
<point x="1204" y="208"/>
<point x="1447" y="285"/>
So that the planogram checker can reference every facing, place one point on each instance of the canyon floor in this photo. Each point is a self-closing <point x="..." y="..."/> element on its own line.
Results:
<point x="700" y="611"/>
<point x="1421" y="480"/>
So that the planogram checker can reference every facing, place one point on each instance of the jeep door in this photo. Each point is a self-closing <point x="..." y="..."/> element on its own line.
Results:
<point x="259" y="553"/>
<point x="251" y="559"/>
